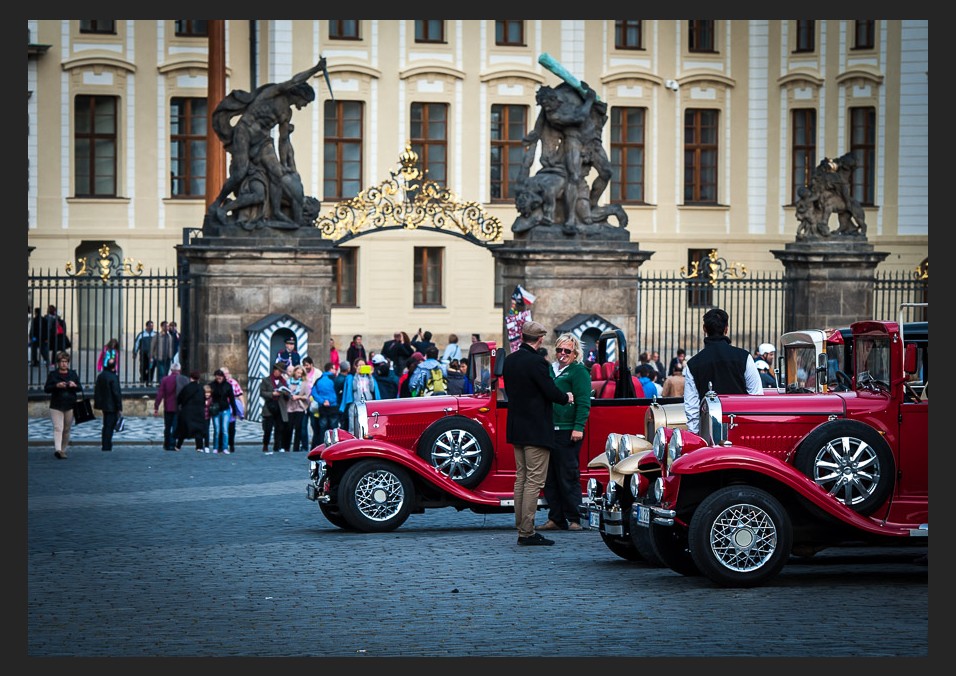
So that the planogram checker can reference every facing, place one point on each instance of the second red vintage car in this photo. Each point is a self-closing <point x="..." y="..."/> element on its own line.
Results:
<point x="774" y="476"/>
<point x="813" y="362"/>
<point x="414" y="454"/>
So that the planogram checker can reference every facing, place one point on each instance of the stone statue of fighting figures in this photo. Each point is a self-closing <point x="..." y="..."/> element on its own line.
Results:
<point x="828" y="193"/>
<point x="264" y="188"/>
<point x="567" y="133"/>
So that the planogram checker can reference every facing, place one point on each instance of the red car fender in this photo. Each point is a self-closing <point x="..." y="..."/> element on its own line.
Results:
<point x="357" y="449"/>
<point x="723" y="458"/>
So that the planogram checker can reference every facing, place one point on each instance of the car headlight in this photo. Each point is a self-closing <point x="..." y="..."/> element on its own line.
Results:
<point x="611" y="497"/>
<point x="317" y="469"/>
<point x="660" y="444"/>
<point x="626" y="445"/>
<point x="657" y="490"/>
<point x="639" y="484"/>
<point x="331" y="437"/>
<point x="594" y="489"/>
<point x="675" y="447"/>
<point x="610" y="448"/>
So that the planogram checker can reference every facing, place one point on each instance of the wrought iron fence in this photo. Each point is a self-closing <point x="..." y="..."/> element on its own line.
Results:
<point x="670" y="307"/>
<point x="670" y="310"/>
<point x="892" y="289"/>
<point x="108" y="299"/>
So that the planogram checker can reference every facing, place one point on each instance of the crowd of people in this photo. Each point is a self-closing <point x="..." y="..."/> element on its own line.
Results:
<point x="301" y="403"/>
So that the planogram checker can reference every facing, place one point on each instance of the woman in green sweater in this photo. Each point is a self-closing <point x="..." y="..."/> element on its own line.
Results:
<point x="562" y="489"/>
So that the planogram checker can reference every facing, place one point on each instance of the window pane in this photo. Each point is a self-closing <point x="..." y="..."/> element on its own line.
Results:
<point x="342" y="151"/>
<point x="627" y="154"/>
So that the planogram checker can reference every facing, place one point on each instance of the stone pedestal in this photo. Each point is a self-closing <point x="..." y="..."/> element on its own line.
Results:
<point x="584" y="274"/>
<point x="832" y="281"/>
<point x="238" y="278"/>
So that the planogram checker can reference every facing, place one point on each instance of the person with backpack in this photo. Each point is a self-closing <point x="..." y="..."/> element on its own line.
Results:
<point x="431" y="376"/>
<point x="325" y="402"/>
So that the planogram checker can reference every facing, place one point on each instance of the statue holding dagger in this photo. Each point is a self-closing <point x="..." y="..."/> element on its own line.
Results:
<point x="568" y="129"/>
<point x="265" y="186"/>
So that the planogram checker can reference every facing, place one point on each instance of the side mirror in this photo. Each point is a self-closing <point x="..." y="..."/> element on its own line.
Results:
<point x="909" y="358"/>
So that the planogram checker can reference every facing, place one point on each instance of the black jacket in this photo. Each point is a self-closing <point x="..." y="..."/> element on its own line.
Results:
<point x="223" y="396"/>
<point x="62" y="399"/>
<point x="106" y="392"/>
<point x="531" y="391"/>
<point x="191" y="417"/>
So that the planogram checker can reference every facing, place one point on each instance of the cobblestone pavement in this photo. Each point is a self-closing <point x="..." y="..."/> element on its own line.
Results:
<point x="145" y="553"/>
<point x="139" y="430"/>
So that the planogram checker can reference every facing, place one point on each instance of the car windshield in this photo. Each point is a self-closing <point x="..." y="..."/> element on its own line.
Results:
<point x="801" y="364"/>
<point x="873" y="357"/>
<point x="480" y="372"/>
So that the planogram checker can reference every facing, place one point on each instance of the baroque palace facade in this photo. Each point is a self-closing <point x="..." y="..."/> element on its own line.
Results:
<point x="713" y="127"/>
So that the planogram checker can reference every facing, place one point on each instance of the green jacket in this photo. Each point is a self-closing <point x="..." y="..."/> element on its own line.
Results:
<point x="575" y="379"/>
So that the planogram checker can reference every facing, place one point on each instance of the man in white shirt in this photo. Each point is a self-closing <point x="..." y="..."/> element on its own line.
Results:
<point x="719" y="366"/>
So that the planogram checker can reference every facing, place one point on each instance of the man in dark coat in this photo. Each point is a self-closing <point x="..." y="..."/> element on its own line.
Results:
<point x="531" y="392"/>
<point x="191" y="419"/>
<point x="108" y="398"/>
<point x="720" y="365"/>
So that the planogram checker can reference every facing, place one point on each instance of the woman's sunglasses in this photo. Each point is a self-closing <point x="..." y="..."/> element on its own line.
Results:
<point x="563" y="350"/>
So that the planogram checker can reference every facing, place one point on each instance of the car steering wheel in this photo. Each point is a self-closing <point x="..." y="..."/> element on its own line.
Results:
<point x="844" y="381"/>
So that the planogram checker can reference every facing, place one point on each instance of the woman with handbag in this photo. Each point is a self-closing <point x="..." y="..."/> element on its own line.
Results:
<point x="62" y="384"/>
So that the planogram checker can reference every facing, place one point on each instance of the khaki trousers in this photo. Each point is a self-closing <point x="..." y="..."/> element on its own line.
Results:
<point x="62" y="422"/>
<point x="531" y="465"/>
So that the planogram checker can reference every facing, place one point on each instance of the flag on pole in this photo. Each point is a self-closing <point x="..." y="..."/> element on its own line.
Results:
<point x="526" y="295"/>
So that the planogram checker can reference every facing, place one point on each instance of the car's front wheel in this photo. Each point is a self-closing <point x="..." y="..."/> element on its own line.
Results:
<point x="623" y="548"/>
<point x="641" y="537"/>
<point x="375" y="496"/>
<point x="740" y="536"/>
<point x="334" y="516"/>
<point x="670" y="546"/>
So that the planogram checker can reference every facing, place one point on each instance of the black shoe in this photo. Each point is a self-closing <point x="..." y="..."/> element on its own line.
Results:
<point x="536" y="539"/>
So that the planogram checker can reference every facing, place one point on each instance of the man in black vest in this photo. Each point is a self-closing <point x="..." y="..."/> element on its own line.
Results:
<point x="719" y="366"/>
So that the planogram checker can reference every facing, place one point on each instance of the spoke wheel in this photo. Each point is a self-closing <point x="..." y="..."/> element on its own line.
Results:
<point x="375" y="496"/>
<point x="851" y="461"/>
<point x="459" y="448"/>
<point x="740" y="536"/>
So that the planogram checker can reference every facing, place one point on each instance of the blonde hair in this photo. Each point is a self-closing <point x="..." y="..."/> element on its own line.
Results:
<point x="575" y="343"/>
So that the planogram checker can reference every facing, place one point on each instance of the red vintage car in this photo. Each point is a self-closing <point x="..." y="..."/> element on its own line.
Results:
<point x="609" y="508"/>
<point x="774" y="476"/>
<point x="450" y="451"/>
